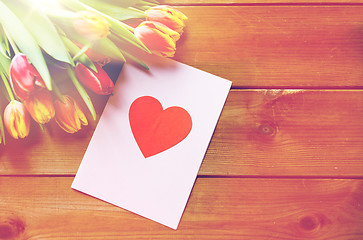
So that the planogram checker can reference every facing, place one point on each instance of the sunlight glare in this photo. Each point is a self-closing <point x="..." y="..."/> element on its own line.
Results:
<point x="45" y="3"/>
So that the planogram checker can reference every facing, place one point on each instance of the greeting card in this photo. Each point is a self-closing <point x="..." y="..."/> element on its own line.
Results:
<point x="151" y="139"/>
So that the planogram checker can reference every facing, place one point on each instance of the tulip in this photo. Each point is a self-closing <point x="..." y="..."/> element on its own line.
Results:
<point x="17" y="119"/>
<point x="24" y="78"/>
<point x="158" y="38"/>
<point x="168" y="16"/>
<point x="91" y="25"/>
<point x="69" y="115"/>
<point x="40" y="106"/>
<point x="99" y="82"/>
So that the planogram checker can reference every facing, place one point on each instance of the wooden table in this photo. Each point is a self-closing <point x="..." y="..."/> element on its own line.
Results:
<point x="286" y="159"/>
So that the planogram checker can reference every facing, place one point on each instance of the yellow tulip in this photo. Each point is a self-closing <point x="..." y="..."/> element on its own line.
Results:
<point x="158" y="38"/>
<point x="91" y="25"/>
<point x="69" y="115"/>
<point x="40" y="106"/>
<point x="17" y="119"/>
<point x="168" y="16"/>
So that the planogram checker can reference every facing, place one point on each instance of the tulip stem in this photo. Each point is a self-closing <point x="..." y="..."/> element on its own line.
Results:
<point x="41" y="127"/>
<point x="12" y="43"/>
<point x="7" y="86"/>
<point x="58" y="93"/>
<point x="81" y="51"/>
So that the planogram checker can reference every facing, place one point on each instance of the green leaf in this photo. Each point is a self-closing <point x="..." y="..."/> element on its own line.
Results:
<point x="135" y="59"/>
<point x="81" y="91"/>
<point x="103" y="46"/>
<point x="117" y="27"/>
<point x="4" y="44"/>
<point x="4" y="64"/>
<point x="74" y="49"/>
<point x="25" y="41"/>
<point x="123" y="45"/>
<point x="150" y="2"/>
<point x="115" y="11"/>
<point x="7" y="89"/>
<point x="120" y="3"/>
<point x="60" y="13"/>
<point x="43" y="31"/>
<point x="108" y="48"/>
<point x="121" y="14"/>
<point x="146" y="4"/>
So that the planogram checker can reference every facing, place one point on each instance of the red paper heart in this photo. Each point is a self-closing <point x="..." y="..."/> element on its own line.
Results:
<point x="156" y="130"/>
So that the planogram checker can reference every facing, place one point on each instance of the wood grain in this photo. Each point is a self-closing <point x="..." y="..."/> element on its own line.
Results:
<point x="282" y="164"/>
<point x="287" y="133"/>
<point x="46" y="208"/>
<point x="260" y="132"/>
<point x="276" y="46"/>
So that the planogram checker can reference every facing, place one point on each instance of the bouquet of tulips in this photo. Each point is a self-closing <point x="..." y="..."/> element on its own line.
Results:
<point x="78" y="37"/>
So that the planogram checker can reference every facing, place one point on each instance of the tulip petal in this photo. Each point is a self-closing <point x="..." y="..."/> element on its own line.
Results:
<point x="159" y="38"/>
<point x="40" y="106"/>
<point x="80" y="115"/>
<point x="168" y="16"/>
<point x="16" y="119"/>
<point x="99" y="82"/>
<point x="69" y="116"/>
<point x="20" y="125"/>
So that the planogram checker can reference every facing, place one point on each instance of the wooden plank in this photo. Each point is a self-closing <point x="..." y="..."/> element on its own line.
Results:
<point x="272" y="132"/>
<point x="276" y="46"/>
<point x="260" y="132"/>
<point x="294" y="209"/>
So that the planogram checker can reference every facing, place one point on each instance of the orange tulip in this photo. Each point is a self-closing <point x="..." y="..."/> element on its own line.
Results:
<point x="91" y="25"/>
<point x="17" y="119"/>
<point x="99" y="82"/>
<point x="24" y="78"/>
<point x="69" y="115"/>
<point x="168" y="16"/>
<point x="160" y="39"/>
<point x="40" y="106"/>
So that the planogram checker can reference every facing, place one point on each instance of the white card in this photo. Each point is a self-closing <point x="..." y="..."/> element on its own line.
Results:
<point x="151" y="139"/>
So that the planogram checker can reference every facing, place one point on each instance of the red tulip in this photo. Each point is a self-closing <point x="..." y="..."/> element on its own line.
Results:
<point x="158" y="38"/>
<point x="168" y="16"/>
<point x="99" y="82"/>
<point x="24" y="78"/>
<point x="17" y="119"/>
<point x="69" y="115"/>
<point x="40" y="106"/>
